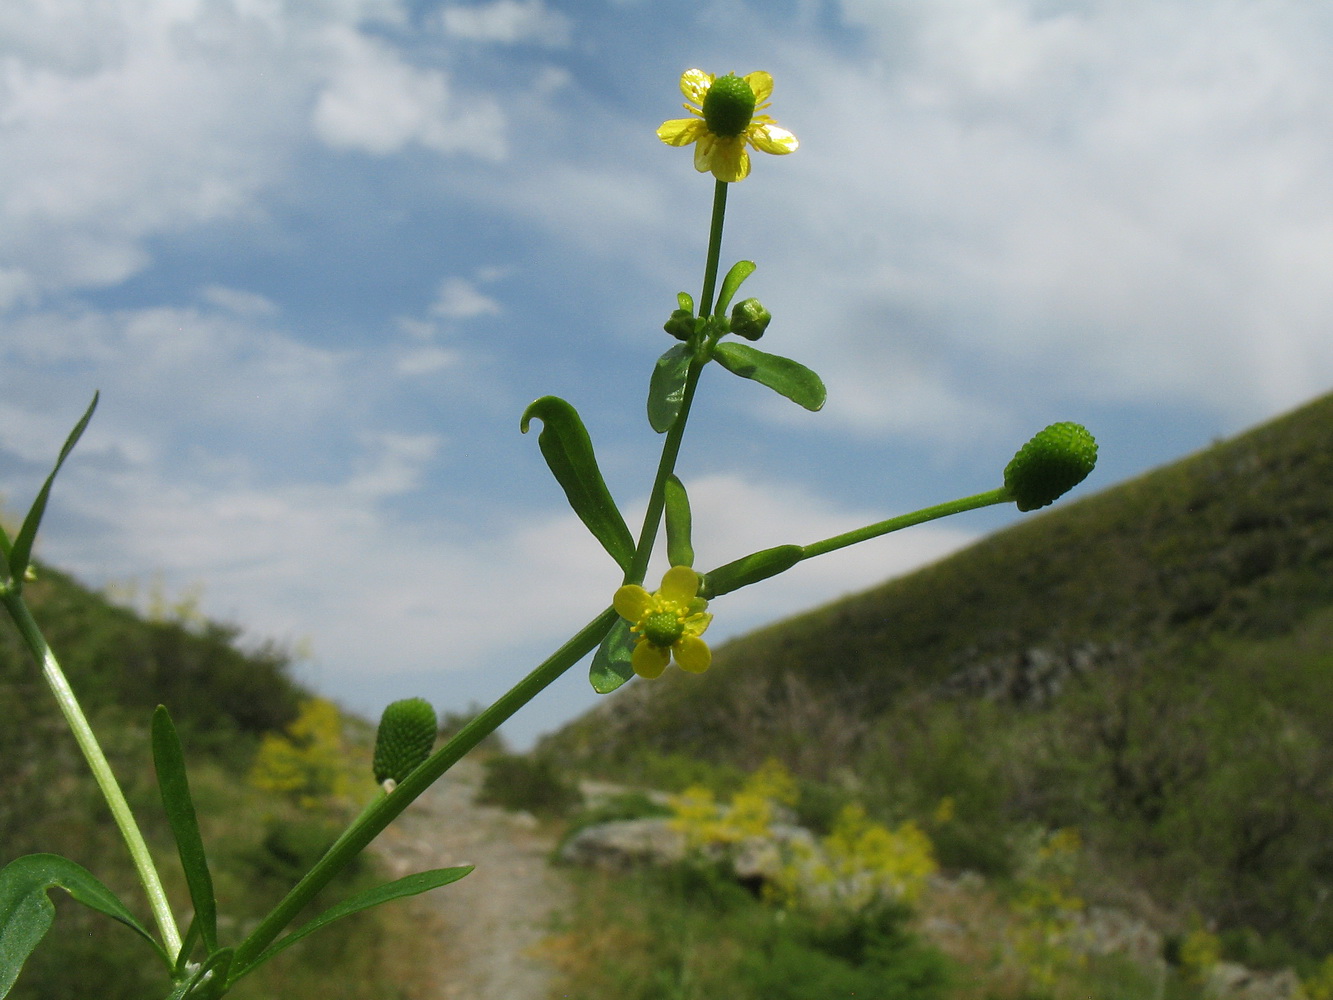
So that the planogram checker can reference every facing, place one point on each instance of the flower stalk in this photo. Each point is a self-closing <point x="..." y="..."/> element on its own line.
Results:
<point x="99" y="766"/>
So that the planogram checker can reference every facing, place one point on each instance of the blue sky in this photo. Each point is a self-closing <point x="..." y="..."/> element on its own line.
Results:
<point x="319" y="256"/>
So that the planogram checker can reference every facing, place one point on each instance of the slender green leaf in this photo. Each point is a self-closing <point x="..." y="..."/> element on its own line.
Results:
<point x="26" y="911"/>
<point x="21" y="551"/>
<point x="680" y="550"/>
<point x="410" y="885"/>
<point x="751" y="569"/>
<point x="611" y="665"/>
<point x="666" y="389"/>
<point x="568" y="451"/>
<point x="175" y="788"/>
<point x="790" y="378"/>
<point x="187" y="948"/>
<point x="5" y="548"/>
<point x="740" y="270"/>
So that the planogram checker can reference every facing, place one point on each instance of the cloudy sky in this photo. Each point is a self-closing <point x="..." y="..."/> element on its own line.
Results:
<point x="319" y="255"/>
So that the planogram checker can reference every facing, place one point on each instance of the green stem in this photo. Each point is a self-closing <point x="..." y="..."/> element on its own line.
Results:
<point x="97" y="763"/>
<point x="675" y="434"/>
<point x="383" y="811"/>
<point x="906" y="521"/>
<point x="714" y="247"/>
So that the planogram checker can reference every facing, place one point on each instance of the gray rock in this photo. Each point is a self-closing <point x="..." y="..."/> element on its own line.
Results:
<point x="1111" y="931"/>
<point x="1229" y="981"/>
<point x="623" y="845"/>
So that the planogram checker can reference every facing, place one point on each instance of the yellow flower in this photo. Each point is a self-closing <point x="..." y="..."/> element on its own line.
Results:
<point x="725" y="122"/>
<point x="668" y="622"/>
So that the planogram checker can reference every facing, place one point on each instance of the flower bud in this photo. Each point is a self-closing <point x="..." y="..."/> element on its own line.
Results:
<point x="749" y="319"/>
<point x="405" y="738"/>
<point x="680" y="325"/>
<point x="1052" y="463"/>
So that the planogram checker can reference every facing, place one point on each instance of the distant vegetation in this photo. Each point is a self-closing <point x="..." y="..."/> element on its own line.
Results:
<point x="1152" y="666"/>
<point x="227" y="702"/>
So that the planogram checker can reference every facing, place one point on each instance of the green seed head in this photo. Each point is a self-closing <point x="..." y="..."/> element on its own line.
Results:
<point x="1051" y="464"/>
<point x="663" y="628"/>
<point x="728" y="106"/>
<point x="405" y="738"/>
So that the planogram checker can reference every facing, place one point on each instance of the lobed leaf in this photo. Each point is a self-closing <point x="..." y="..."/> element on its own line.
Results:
<point x="680" y="549"/>
<point x="26" y="911"/>
<point x="568" y="452"/>
<point x="740" y="270"/>
<point x="611" y="665"/>
<point x="751" y="569"/>
<point x="783" y="375"/>
<point x="666" y="388"/>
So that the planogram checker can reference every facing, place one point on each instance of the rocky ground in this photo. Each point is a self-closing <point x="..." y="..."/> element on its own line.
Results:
<point x="492" y="922"/>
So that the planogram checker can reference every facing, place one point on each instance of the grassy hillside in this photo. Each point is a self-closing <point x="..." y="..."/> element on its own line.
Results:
<point x="223" y="699"/>
<point x="1151" y="664"/>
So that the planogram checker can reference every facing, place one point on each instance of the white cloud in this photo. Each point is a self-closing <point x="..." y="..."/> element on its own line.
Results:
<point x="509" y="22"/>
<point x="425" y="361"/>
<point x="238" y="302"/>
<point x="174" y="378"/>
<point x="127" y="120"/>
<point x="1111" y="202"/>
<point x="122" y="122"/>
<point x="378" y="596"/>
<point x="461" y="299"/>
<point x="377" y="103"/>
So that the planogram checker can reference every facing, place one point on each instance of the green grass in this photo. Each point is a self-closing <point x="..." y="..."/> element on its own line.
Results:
<point x="1194" y="757"/>
<point x="689" y="933"/>
<point x="223" y="698"/>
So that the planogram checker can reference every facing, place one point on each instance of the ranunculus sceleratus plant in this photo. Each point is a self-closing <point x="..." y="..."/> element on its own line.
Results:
<point x="641" y="632"/>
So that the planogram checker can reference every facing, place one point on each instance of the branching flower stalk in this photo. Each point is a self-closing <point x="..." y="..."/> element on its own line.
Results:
<point x="640" y="634"/>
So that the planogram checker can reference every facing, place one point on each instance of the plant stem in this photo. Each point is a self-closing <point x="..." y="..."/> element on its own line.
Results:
<point x="714" y="247"/>
<point x="906" y="521"/>
<point x="382" y="812"/>
<point x="97" y="763"/>
<point x="676" y="432"/>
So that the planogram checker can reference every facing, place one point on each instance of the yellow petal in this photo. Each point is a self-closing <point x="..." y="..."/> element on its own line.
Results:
<point x="697" y="624"/>
<point x="694" y="84"/>
<point x="728" y="160"/>
<point x="681" y="131"/>
<point x="679" y="585"/>
<point x="761" y="84"/>
<point x="703" y="152"/>
<point x="692" y="653"/>
<point x="648" y="660"/>
<point x="632" y="602"/>
<point x="770" y="138"/>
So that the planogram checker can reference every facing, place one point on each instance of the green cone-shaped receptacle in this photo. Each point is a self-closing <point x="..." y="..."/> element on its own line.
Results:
<point x="405" y="738"/>
<point x="1055" y="461"/>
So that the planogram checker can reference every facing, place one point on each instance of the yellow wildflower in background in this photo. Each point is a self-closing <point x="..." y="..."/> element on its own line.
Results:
<point x="668" y="622"/>
<point x="307" y="761"/>
<point x="750" y="814"/>
<point x="725" y="122"/>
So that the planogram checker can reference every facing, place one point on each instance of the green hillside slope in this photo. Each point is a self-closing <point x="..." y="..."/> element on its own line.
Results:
<point x="1151" y="664"/>
<point x="224" y="698"/>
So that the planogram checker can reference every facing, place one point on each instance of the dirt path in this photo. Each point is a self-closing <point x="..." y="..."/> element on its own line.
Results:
<point x="493" y="920"/>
